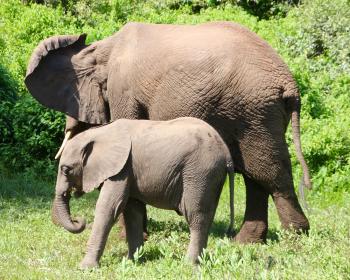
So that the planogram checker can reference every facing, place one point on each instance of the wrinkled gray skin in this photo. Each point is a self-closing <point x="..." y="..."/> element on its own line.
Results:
<point x="178" y="165"/>
<point x="219" y="72"/>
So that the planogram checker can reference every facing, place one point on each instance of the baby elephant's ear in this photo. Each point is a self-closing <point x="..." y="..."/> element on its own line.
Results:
<point x="104" y="156"/>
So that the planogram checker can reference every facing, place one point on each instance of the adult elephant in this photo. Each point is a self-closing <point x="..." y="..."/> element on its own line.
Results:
<point x="219" y="72"/>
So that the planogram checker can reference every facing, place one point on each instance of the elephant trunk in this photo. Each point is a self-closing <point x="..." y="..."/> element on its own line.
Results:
<point x="61" y="215"/>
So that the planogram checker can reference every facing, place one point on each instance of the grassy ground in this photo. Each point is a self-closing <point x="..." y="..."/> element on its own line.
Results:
<point x="31" y="247"/>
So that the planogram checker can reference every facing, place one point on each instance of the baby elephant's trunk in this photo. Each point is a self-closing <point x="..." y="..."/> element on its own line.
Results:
<point x="61" y="215"/>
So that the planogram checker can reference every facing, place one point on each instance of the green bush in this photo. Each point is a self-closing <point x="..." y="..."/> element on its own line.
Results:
<point x="313" y="38"/>
<point x="7" y="102"/>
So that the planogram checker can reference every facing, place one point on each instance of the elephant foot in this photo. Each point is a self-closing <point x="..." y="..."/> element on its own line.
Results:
<point x="252" y="232"/>
<point x="297" y="227"/>
<point x="87" y="263"/>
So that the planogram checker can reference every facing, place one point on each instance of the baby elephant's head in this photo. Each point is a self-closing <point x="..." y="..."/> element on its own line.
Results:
<point x="87" y="161"/>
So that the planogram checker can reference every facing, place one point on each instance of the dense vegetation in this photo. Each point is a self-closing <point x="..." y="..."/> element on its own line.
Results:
<point x="313" y="37"/>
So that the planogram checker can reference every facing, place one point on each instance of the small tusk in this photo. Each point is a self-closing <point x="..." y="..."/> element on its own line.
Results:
<point x="68" y="134"/>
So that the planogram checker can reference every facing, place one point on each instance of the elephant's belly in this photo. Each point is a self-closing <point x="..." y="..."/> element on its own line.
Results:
<point x="162" y="193"/>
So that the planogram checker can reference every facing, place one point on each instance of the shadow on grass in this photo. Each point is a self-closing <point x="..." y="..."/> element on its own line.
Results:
<point x="27" y="186"/>
<point x="218" y="228"/>
<point x="152" y="254"/>
<point x="21" y="192"/>
<point x="272" y="235"/>
<point x="167" y="226"/>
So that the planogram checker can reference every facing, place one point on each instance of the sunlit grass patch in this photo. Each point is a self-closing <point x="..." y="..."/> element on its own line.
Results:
<point x="31" y="247"/>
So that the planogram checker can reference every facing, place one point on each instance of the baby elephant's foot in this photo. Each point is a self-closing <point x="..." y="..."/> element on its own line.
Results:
<point x="88" y="263"/>
<point x="192" y="259"/>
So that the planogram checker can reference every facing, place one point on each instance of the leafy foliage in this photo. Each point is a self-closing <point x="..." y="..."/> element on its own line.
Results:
<point x="312" y="37"/>
<point x="7" y="102"/>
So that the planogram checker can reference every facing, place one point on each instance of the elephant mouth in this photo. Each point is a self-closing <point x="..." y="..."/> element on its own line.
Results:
<point x="76" y="192"/>
<point x="73" y="192"/>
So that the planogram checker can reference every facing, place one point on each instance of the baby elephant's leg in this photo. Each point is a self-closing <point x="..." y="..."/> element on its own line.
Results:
<point x="134" y="218"/>
<point x="112" y="199"/>
<point x="199" y="213"/>
<point x="198" y="241"/>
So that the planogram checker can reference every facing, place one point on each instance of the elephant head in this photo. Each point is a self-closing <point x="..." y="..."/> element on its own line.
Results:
<point x="88" y="160"/>
<point x="67" y="75"/>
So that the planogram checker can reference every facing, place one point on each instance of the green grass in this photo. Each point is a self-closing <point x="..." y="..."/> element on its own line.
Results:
<point x="31" y="247"/>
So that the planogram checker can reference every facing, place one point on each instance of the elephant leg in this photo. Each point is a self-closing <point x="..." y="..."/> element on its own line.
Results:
<point x="198" y="241"/>
<point x="267" y="164"/>
<point x="134" y="220"/>
<point x="111" y="201"/>
<point x="290" y="213"/>
<point x="199" y="223"/>
<point x="121" y="222"/>
<point x="200" y="207"/>
<point x="288" y="208"/>
<point x="255" y="224"/>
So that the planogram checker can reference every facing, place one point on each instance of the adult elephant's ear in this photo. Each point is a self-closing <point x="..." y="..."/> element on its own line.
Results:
<point x="62" y="75"/>
<point x="104" y="155"/>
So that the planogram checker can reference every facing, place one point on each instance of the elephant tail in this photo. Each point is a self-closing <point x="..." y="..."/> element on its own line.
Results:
<point x="231" y="230"/>
<point x="295" y="120"/>
<point x="292" y="98"/>
<point x="230" y="170"/>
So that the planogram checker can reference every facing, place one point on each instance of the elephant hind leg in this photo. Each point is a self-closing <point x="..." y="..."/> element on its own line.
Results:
<point x="199" y="210"/>
<point x="112" y="199"/>
<point x="134" y="220"/>
<point x="286" y="201"/>
<point x="267" y="165"/>
<point x="290" y="213"/>
<point x="198" y="241"/>
<point x="254" y="228"/>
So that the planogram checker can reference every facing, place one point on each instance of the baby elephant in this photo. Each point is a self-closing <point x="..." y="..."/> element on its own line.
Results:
<point x="178" y="165"/>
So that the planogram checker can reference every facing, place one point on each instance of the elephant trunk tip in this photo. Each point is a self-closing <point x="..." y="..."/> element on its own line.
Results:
<point x="79" y="225"/>
<point x="61" y="215"/>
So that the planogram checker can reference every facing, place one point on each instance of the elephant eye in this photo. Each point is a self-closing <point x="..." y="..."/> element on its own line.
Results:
<point x="65" y="169"/>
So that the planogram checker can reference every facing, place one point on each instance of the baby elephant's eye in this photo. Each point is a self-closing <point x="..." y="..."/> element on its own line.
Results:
<point x="65" y="169"/>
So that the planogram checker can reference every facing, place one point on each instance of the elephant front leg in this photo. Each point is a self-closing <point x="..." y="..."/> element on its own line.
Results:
<point x="255" y="224"/>
<point x="112" y="199"/>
